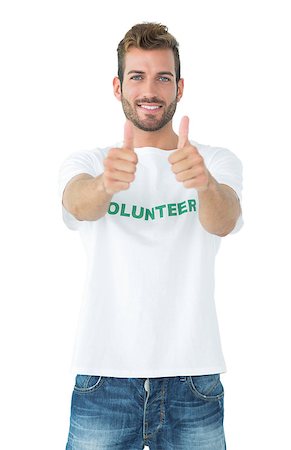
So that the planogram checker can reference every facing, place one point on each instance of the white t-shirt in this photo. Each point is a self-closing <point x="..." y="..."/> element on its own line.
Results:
<point x="148" y="308"/>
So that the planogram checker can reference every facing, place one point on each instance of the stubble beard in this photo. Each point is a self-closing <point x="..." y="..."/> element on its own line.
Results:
<point x="151" y="123"/>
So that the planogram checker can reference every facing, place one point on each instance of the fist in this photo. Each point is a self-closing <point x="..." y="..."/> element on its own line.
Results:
<point x="187" y="163"/>
<point x="120" y="164"/>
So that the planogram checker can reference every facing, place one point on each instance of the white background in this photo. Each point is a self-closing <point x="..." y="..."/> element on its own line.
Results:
<point x="58" y="60"/>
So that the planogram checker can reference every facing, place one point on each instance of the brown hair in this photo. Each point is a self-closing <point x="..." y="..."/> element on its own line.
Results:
<point x="147" y="35"/>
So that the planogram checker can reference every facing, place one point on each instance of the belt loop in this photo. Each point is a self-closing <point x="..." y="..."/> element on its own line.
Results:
<point x="147" y="385"/>
<point x="182" y="378"/>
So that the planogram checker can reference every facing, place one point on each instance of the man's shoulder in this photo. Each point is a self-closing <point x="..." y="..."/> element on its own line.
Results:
<point x="97" y="153"/>
<point x="208" y="152"/>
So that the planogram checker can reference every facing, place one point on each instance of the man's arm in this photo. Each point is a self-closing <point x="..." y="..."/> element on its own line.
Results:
<point x="219" y="205"/>
<point x="219" y="208"/>
<point x="85" y="197"/>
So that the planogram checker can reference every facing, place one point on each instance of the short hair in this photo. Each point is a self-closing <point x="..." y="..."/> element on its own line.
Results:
<point x="148" y="36"/>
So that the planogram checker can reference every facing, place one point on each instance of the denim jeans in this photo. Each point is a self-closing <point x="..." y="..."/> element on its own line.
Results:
<point x="169" y="413"/>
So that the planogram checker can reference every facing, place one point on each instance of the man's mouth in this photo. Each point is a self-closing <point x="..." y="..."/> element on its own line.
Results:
<point x="149" y="107"/>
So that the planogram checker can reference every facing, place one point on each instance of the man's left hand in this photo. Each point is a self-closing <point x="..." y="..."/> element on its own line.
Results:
<point x="187" y="163"/>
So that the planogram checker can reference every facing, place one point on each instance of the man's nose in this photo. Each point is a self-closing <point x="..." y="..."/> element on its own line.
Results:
<point x="150" y="89"/>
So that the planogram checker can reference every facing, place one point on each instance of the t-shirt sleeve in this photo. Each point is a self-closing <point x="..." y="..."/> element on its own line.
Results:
<point x="78" y="162"/>
<point x="227" y="169"/>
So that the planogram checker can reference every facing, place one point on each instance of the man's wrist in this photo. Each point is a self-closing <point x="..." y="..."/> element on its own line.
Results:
<point x="104" y="196"/>
<point x="212" y="186"/>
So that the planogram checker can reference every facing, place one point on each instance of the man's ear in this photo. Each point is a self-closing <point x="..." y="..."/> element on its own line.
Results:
<point x="117" y="88"/>
<point x="180" y="89"/>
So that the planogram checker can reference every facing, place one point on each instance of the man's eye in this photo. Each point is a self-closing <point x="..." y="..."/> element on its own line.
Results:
<point x="136" y="77"/>
<point x="164" y="79"/>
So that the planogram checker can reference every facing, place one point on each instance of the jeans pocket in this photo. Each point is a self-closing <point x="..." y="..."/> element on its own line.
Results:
<point x="206" y="387"/>
<point x="87" y="383"/>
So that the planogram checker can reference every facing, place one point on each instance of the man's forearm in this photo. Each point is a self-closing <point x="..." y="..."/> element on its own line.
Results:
<point x="219" y="208"/>
<point x="86" y="198"/>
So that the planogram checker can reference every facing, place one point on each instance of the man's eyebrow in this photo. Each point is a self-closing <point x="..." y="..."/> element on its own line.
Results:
<point x="135" y="71"/>
<point x="158" y="73"/>
<point x="165" y="73"/>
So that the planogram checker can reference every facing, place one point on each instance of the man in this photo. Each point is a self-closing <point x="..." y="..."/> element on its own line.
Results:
<point x="151" y="212"/>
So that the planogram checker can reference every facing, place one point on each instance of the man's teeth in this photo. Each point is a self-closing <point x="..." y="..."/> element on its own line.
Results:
<point x="149" y="107"/>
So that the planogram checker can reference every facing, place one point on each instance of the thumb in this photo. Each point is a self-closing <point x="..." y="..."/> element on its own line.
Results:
<point x="128" y="135"/>
<point x="183" y="132"/>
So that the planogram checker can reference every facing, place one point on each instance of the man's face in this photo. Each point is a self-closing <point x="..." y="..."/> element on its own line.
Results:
<point x="149" y="92"/>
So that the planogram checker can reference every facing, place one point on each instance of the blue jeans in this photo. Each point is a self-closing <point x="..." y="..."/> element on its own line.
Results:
<point x="169" y="413"/>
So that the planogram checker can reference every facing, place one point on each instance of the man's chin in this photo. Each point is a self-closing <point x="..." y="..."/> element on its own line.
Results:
<point x="148" y="125"/>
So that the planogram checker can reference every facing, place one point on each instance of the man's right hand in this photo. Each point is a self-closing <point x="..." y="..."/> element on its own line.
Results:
<point x="120" y="164"/>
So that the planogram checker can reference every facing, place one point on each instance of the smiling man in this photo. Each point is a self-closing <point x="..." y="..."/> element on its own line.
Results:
<point x="151" y="212"/>
<point x="135" y="88"/>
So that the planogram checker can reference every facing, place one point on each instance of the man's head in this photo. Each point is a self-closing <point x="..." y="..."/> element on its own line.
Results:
<point x="147" y="36"/>
<point x="148" y="83"/>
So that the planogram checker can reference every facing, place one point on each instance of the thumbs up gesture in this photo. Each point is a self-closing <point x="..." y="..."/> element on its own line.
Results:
<point x="120" y="164"/>
<point x="187" y="163"/>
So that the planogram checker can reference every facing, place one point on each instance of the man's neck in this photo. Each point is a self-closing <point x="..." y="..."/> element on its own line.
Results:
<point x="165" y="139"/>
